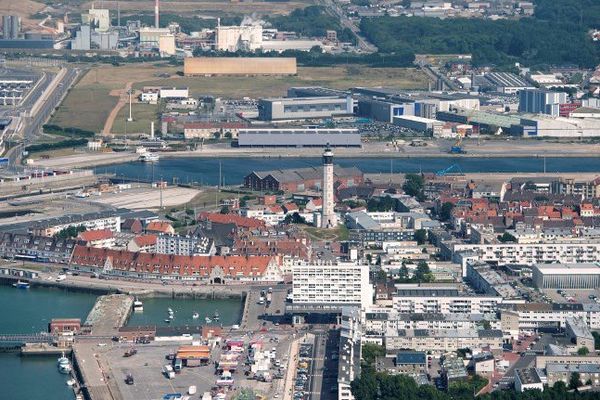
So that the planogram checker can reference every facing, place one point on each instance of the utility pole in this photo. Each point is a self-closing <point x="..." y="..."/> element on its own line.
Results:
<point x="130" y="92"/>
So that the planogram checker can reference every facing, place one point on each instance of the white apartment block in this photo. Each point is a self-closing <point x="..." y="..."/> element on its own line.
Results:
<point x="443" y="340"/>
<point x="184" y="245"/>
<point x="528" y="253"/>
<point x="49" y="229"/>
<point x="530" y="317"/>
<point x="331" y="285"/>
<point x="413" y="299"/>
<point x="383" y="321"/>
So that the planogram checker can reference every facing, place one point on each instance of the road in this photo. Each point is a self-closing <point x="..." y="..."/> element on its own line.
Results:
<point x="37" y="108"/>
<point x="334" y="8"/>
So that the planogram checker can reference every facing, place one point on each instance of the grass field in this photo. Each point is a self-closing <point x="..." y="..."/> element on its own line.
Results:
<point x="89" y="103"/>
<point x="339" y="77"/>
<point x="142" y="114"/>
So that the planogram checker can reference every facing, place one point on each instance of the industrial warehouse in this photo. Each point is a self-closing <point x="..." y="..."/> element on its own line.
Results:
<point x="298" y="137"/>
<point x="566" y="276"/>
<point x="199" y="66"/>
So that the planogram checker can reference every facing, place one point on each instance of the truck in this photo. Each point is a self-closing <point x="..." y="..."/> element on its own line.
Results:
<point x="168" y="371"/>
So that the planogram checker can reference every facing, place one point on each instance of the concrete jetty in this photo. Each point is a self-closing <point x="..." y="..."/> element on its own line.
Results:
<point x="108" y="315"/>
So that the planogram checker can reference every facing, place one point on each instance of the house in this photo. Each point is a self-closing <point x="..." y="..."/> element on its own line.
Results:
<point x="209" y="269"/>
<point x="143" y="243"/>
<point x="37" y="248"/>
<point x="237" y="220"/>
<point x="132" y="225"/>
<point x="98" y="238"/>
<point x="300" y="179"/>
<point x="160" y="227"/>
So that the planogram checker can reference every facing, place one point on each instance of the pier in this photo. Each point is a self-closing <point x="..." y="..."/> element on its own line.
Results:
<point x="108" y="315"/>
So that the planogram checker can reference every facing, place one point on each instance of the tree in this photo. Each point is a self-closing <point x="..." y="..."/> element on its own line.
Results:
<point x="596" y="336"/>
<point x="413" y="186"/>
<point x="507" y="237"/>
<point x="245" y="394"/>
<point x="224" y="210"/>
<point x="294" y="218"/>
<point x="421" y="236"/>
<point x="583" y="351"/>
<point x="446" y="211"/>
<point x="70" y="232"/>
<point x="423" y="273"/>
<point x="574" y="381"/>
<point x="370" y="351"/>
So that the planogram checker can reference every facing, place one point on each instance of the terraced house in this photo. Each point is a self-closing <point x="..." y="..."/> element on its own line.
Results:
<point x="208" y="269"/>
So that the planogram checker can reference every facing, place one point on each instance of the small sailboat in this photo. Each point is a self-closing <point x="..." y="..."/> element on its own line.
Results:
<point x="168" y="321"/>
<point x="171" y="316"/>
<point x="195" y="315"/>
<point x="207" y="320"/>
<point x="71" y="382"/>
<point x="170" y="310"/>
<point x="216" y="316"/>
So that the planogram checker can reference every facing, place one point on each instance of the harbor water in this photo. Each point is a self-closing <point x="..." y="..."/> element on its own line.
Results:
<point x="155" y="312"/>
<point x="205" y="171"/>
<point x="29" y="311"/>
<point x="24" y="311"/>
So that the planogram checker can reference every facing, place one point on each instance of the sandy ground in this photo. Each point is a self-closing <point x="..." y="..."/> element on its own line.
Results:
<point x="142" y="199"/>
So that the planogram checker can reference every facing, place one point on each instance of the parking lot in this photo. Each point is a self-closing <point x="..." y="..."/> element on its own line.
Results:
<point x="147" y="367"/>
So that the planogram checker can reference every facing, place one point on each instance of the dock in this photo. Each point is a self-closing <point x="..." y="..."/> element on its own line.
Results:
<point x="108" y="315"/>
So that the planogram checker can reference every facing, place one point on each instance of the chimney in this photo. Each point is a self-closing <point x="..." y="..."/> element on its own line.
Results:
<point x="152" y="130"/>
<point x="156" y="14"/>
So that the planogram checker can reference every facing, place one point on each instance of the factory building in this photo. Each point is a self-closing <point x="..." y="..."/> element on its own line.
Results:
<point x="11" y="26"/>
<point x="150" y="37"/>
<point x="98" y="17"/>
<point x="419" y="124"/>
<point x="238" y="38"/>
<point x="503" y="82"/>
<point x="198" y="66"/>
<point x="542" y="126"/>
<point x="566" y="276"/>
<point x="286" y="108"/>
<point x="541" y="101"/>
<point x="383" y="110"/>
<point x="83" y="38"/>
<point x="303" y="137"/>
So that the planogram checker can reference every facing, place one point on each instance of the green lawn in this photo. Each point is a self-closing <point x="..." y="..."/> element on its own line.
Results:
<point x="142" y="114"/>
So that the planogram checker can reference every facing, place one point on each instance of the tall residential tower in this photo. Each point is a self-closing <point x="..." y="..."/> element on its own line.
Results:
<point x="328" y="217"/>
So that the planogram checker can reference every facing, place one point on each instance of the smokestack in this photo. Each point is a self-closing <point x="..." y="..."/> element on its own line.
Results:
<point x="152" y="130"/>
<point x="156" y="14"/>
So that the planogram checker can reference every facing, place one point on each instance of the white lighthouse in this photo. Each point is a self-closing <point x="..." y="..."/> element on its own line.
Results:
<point x="328" y="217"/>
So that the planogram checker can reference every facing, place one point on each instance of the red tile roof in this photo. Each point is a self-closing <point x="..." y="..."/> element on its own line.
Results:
<point x="237" y="220"/>
<point x="163" y="264"/>
<point x="101" y="234"/>
<point x="159" y="226"/>
<point x="145" y="240"/>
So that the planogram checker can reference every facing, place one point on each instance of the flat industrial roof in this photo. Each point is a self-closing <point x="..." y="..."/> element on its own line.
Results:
<point x="569" y="269"/>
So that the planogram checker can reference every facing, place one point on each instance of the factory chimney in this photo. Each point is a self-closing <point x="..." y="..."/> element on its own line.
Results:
<point x="156" y="14"/>
<point x="152" y="130"/>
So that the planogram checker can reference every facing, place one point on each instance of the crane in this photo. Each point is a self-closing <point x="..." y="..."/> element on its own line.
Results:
<point x="446" y="171"/>
<point x="457" y="147"/>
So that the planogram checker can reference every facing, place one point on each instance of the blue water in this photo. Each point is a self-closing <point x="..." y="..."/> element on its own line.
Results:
<point x="29" y="311"/>
<point x="206" y="170"/>
<point x="155" y="312"/>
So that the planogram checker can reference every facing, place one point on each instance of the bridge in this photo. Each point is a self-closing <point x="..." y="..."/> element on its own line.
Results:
<point x="11" y="338"/>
